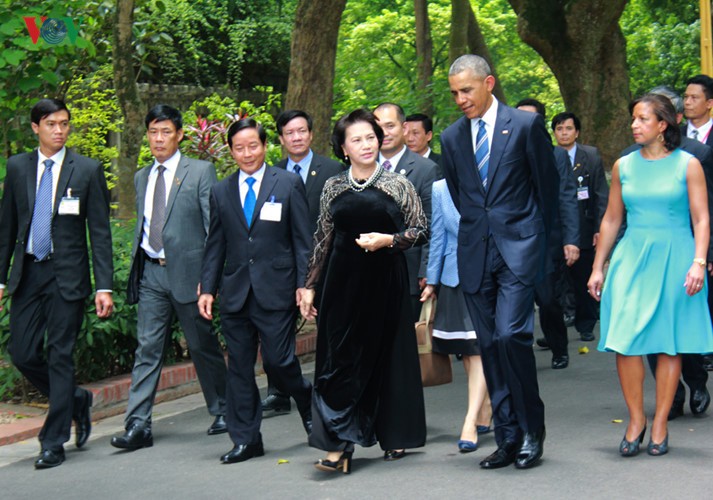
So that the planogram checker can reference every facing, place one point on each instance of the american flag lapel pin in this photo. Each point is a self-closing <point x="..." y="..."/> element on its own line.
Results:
<point x="505" y="132"/>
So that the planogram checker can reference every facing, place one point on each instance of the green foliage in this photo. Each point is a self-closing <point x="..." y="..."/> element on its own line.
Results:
<point x="663" y="40"/>
<point x="207" y="120"/>
<point x="95" y="114"/>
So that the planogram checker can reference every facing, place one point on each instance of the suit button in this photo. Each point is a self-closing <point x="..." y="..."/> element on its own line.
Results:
<point x="487" y="209"/>
<point x="250" y="239"/>
<point x="483" y="238"/>
<point x="252" y="261"/>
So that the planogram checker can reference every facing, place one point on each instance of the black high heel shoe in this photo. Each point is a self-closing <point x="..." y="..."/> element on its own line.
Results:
<point x="656" y="450"/>
<point x="344" y="463"/>
<point x="631" y="448"/>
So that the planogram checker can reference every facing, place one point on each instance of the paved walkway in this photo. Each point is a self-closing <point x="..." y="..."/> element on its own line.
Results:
<point x="584" y="407"/>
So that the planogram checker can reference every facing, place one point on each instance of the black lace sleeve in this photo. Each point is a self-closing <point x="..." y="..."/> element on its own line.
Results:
<point x="402" y="191"/>
<point x="325" y="228"/>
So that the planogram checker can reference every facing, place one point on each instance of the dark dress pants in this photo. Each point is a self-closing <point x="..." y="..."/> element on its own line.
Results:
<point x="586" y="308"/>
<point x="692" y="372"/>
<point x="275" y="330"/>
<point x="551" y="314"/>
<point x="502" y="312"/>
<point x="38" y="308"/>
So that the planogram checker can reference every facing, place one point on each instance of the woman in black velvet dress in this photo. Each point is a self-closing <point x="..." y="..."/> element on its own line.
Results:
<point x="367" y="386"/>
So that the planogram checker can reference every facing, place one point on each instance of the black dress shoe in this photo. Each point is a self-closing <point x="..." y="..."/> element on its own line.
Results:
<point x="49" y="459"/>
<point x="676" y="410"/>
<point x="275" y="404"/>
<point x="586" y="336"/>
<point x="83" y="420"/>
<point x="700" y="400"/>
<point x="219" y="426"/>
<point x="134" y="438"/>
<point x="502" y="457"/>
<point x="560" y="362"/>
<point x="542" y="342"/>
<point x="243" y="452"/>
<point x="391" y="455"/>
<point x="531" y="449"/>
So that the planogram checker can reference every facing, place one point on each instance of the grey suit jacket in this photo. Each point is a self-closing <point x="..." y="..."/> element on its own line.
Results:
<point x="321" y="169"/>
<point x="70" y="257"/>
<point x="185" y="229"/>
<point x="422" y="173"/>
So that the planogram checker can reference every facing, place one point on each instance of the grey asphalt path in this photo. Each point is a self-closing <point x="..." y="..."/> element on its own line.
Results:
<point x="581" y="459"/>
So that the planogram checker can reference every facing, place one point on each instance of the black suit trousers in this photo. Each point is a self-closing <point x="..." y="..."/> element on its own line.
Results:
<point x="586" y="308"/>
<point x="551" y="314"/>
<point x="502" y="312"/>
<point x="38" y="308"/>
<point x="275" y="330"/>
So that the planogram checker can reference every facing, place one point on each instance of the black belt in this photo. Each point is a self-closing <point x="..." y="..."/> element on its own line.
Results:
<point x="160" y="262"/>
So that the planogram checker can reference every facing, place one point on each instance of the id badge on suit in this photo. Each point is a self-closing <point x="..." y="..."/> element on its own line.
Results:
<point x="271" y="211"/>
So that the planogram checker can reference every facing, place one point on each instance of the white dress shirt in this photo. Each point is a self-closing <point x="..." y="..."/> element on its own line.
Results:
<point x="242" y="177"/>
<point x="171" y="166"/>
<point x="489" y="118"/>
<point x="58" y="159"/>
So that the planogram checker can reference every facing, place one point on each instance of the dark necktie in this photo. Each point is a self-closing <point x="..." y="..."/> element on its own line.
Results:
<point x="695" y="134"/>
<point x="42" y="215"/>
<point x="249" y="205"/>
<point x="482" y="153"/>
<point x="158" y="215"/>
<point x="297" y="169"/>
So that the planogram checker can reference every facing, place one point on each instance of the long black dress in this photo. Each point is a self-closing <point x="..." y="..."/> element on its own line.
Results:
<point x="367" y="385"/>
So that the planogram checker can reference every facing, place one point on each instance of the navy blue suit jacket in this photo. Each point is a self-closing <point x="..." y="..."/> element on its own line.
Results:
<point x="518" y="206"/>
<point x="269" y="257"/>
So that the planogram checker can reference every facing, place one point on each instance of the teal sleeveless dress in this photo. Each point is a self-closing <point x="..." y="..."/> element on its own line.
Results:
<point x="645" y="309"/>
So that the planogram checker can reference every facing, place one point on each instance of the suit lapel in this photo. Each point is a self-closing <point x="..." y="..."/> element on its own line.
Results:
<point x="64" y="175"/>
<point x="269" y="180"/>
<point x="312" y="175"/>
<point x="467" y="154"/>
<point x="234" y="197"/>
<point x="179" y="176"/>
<point x="501" y="135"/>
<point x="580" y="159"/>
<point x="405" y="166"/>
<point x="32" y="179"/>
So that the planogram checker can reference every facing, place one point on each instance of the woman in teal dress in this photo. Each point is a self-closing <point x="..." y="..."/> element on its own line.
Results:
<point x="652" y="301"/>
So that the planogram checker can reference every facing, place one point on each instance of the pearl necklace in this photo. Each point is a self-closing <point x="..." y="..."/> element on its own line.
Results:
<point x="369" y="182"/>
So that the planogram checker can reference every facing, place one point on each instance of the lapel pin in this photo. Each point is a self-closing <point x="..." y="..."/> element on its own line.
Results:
<point x="505" y="132"/>
<point x="178" y="181"/>
<point x="402" y="171"/>
<point x="313" y="173"/>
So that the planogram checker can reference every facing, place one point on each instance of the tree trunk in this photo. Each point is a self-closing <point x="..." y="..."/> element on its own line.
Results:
<point x="314" y="50"/>
<point x="424" y="56"/>
<point x="131" y="106"/>
<point x="585" y="48"/>
<point x="458" y="41"/>
<point x="477" y="45"/>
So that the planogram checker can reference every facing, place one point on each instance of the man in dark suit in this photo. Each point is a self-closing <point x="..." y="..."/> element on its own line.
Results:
<point x="295" y="130"/>
<point x="419" y="133"/>
<point x="592" y="196"/>
<point x="422" y="173"/>
<point x="693" y="371"/>
<point x="172" y="220"/>
<point x="51" y="197"/>
<point x="256" y="258"/>
<point x="563" y="252"/>
<point x="500" y="170"/>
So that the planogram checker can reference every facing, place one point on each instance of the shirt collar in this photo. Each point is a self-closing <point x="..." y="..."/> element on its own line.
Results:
<point x="257" y="175"/>
<point x="394" y="160"/>
<point x="303" y="163"/>
<point x="171" y="164"/>
<point x="57" y="158"/>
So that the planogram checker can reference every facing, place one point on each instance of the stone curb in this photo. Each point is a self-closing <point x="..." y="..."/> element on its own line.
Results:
<point x="111" y="395"/>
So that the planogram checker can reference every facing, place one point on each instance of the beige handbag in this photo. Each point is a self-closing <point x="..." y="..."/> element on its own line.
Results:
<point x="435" y="367"/>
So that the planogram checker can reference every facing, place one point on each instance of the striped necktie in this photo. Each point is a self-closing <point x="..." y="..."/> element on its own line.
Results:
<point x="482" y="153"/>
<point x="42" y="215"/>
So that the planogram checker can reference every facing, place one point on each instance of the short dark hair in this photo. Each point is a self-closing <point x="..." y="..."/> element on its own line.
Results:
<point x="163" y="112"/>
<point x="287" y="116"/>
<point x="528" y="101"/>
<point x="242" y="125"/>
<point x="424" y="119"/>
<point x="399" y="110"/>
<point x="340" y="130"/>
<point x="664" y="110"/>
<point x="45" y="107"/>
<point x="704" y="81"/>
<point x="563" y="117"/>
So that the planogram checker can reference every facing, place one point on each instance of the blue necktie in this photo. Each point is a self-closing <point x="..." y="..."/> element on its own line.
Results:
<point x="297" y="169"/>
<point x="249" y="205"/>
<point x="42" y="215"/>
<point x="482" y="153"/>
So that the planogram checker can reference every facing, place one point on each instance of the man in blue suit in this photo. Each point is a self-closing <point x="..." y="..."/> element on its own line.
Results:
<point x="500" y="170"/>
<point x="256" y="256"/>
